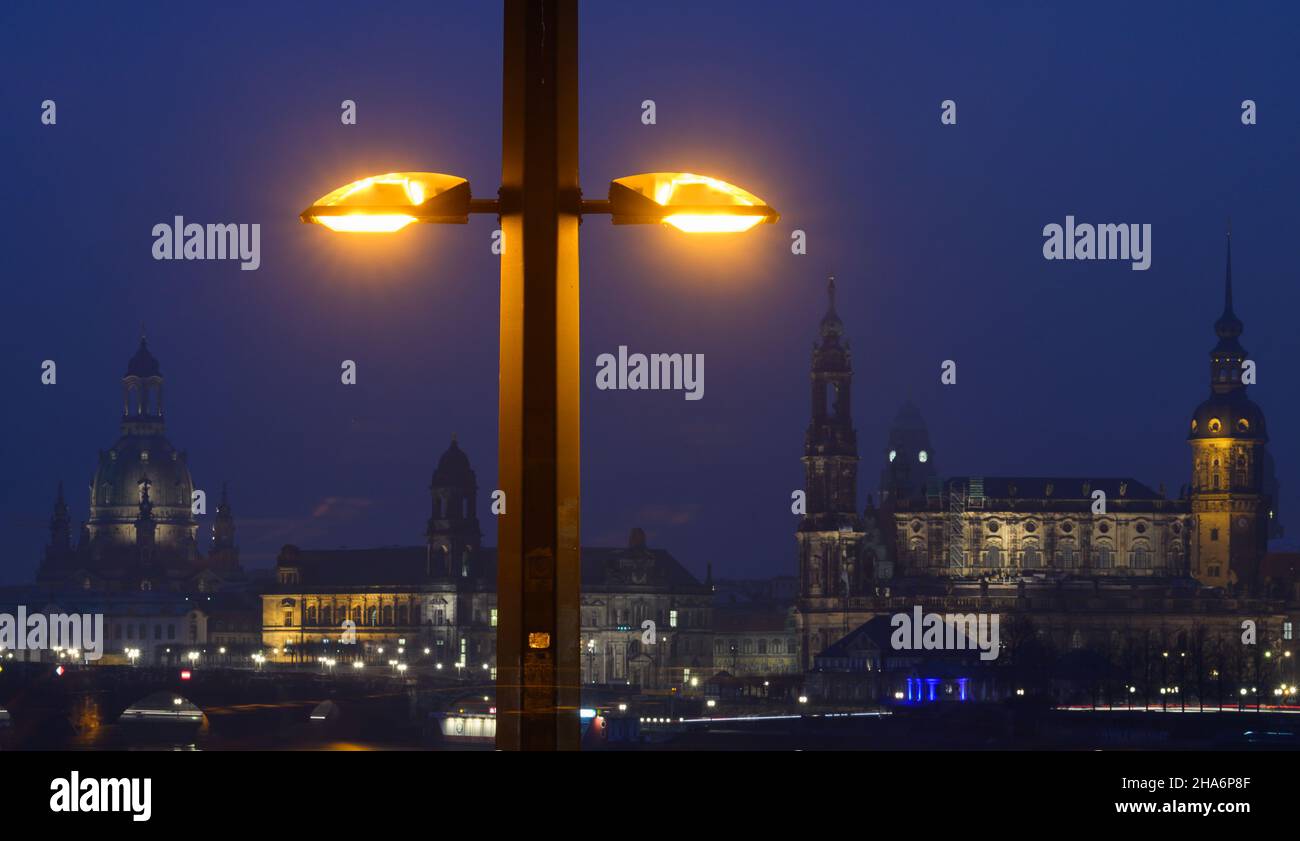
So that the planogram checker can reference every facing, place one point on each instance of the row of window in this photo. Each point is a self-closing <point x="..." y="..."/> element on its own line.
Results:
<point x="683" y="644"/>
<point x="1066" y="558"/>
<point x="638" y="614"/>
<point x="132" y="631"/>
<point x="401" y="615"/>
<point x="732" y="646"/>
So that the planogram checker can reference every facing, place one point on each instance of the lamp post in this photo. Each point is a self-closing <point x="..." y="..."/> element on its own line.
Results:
<point x="539" y="205"/>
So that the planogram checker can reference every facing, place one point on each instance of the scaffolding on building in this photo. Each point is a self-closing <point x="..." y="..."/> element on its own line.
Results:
<point x="962" y="496"/>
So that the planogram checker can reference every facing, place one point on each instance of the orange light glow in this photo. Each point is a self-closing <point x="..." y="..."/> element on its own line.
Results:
<point x="708" y="205"/>
<point x="360" y="223"/>
<point x="373" y="205"/>
<point x="711" y="223"/>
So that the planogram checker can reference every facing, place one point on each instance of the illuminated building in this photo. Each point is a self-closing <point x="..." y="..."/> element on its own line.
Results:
<point x="1229" y="461"/>
<point x="1102" y="563"/>
<point x="442" y="597"/>
<point x="141" y="532"/>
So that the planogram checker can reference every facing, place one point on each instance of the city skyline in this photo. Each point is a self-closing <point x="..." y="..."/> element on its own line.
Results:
<point x="866" y="486"/>
<point x="933" y="232"/>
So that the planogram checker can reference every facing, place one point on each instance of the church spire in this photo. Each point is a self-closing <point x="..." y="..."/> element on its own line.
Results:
<point x="60" y="525"/>
<point x="1228" y="356"/>
<point x="831" y="443"/>
<point x="1228" y="326"/>
<point x="831" y="326"/>
<point x="223" y="527"/>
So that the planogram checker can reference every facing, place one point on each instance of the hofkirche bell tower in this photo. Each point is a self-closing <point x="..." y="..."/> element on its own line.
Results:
<point x="1230" y="504"/>
<point x="830" y="533"/>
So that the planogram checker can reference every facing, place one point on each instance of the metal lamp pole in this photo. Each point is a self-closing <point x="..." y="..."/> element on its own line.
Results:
<point x="538" y="675"/>
<point x="539" y="205"/>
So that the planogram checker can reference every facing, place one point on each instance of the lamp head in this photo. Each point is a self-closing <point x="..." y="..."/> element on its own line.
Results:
<point x="388" y="203"/>
<point x="688" y="202"/>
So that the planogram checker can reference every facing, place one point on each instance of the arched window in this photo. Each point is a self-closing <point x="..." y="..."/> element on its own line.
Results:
<point x="993" y="556"/>
<point x="311" y="615"/>
<point x="762" y="646"/>
<point x="372" y="617"/>
<point x="1033" y="559"/>
<point x="388" y="614"/>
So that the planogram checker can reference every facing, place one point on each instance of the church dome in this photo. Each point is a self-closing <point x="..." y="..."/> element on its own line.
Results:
<point x="453" y="469"/>
<point x="1231" y="415"/>
<point x="135" y="456"/>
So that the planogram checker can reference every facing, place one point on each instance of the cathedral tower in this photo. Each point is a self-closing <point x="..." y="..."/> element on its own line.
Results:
<point x="830" y="532"/>
<point x="1228" y="439"/>
<point x="909" y="458"/>
<point x="224" y="556"/>
<point x="60" y="530"/>
<point x="453" y="533"/>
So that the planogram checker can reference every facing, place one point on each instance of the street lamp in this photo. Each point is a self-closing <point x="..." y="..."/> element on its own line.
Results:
<point x="385" y="204"/>
<point x="540" y="206"/>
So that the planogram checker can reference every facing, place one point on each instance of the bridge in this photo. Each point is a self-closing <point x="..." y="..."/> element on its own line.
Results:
<point x="83" y="705"/>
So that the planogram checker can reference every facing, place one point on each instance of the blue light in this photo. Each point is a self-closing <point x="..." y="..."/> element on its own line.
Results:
<point x="961" y="683"/>
<point x="931" y="682"/>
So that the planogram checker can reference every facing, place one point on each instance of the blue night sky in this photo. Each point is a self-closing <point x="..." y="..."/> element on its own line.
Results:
<point x="229" y="112"/>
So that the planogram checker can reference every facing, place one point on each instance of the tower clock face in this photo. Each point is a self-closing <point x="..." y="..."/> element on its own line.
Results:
<point x="893" y="454"/>
<point x="1242" y="522"/>
<point x="923" y="457"/>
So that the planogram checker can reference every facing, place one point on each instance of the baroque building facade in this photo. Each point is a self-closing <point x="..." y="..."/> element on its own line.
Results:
<point x="1086" y="561"/>
<point x="436" y="601"/>
<point x="435" y="604"/>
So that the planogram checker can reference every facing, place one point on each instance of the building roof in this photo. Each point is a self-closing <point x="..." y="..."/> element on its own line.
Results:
<point x="453" y="469"/>
<point x="143" y="364"/>
<point x="603" y="568"/>
<point x="1056" y="487"/>
<point x="379" y="566"/>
